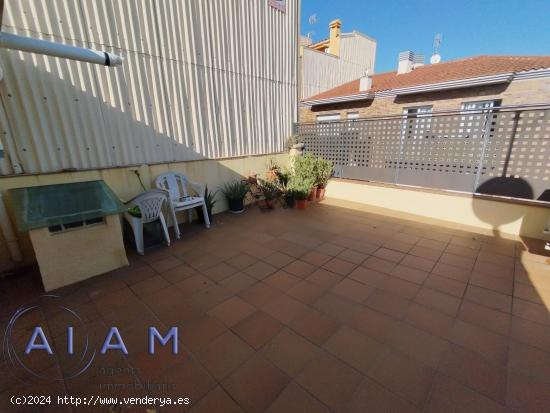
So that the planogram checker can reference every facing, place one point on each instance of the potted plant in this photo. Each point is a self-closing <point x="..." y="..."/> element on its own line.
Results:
<point x="323" y="171"/>
<point x="270" y="192"/>
<point x="135" y="211"/>
<point x="283" y="184"/>
<point x="209" y="199"/>
<point x="312" y="193"/>
<point x="305" y="169"/>
<point x="273" y="171"/>
<point x="289" y="197"/>
<point x="235" y="192"/>
<point x="283" y="177"/>
<point x="300" y="190"/>
<point x="252" y="179"/>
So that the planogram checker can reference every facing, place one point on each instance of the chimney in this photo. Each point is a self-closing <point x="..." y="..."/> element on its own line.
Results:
<point x="365" y="82"/>
<point x="334" y="39"/>
<point x="409" y="61"/>
<point x="305" y="40"/>
<point x="418" y="60"/>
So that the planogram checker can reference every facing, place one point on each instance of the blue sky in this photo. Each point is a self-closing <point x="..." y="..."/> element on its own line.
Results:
<point x="469" y="27"/>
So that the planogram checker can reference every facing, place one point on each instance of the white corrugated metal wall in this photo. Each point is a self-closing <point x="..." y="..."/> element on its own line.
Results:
<point x="358" y="51"/>
<point x="321" y="71"/>
<point x="201" y="79"/>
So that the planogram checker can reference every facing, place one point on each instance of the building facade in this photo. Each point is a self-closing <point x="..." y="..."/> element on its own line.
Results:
<point x="340" y="58"/>
<point x="471" y="83"/>
<point x="478" y="126"/>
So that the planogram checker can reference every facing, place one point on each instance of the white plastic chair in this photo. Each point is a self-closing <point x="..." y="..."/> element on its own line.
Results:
<point x="150" y="205"/>
<point x="176" y="185"/>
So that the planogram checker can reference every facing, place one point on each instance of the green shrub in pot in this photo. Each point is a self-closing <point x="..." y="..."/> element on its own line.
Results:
<point x="235" y="192"/>
<point x="288" y="196"/>
<point x="323" y="171"/>
<point x="283" y="184"/>
<point x="270" y="191"/>
<point x="283" y="178"/>
<point x="300" y="189"/>
<point x="305" y="167"/>
<point x="135" y="211"/>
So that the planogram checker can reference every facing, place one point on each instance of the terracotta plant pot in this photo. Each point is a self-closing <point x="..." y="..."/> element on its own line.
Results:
<point x="261" y="203"/>
<point x="312" y="194"/>
<point x="300" y="203"/>
<point x="320" y="193"/>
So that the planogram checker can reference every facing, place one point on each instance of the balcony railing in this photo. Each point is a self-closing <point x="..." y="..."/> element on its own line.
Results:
<point x="501" y="151"/>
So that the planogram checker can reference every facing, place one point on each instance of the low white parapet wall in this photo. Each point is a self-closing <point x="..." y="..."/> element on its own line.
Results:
<point x="504" y="217"/>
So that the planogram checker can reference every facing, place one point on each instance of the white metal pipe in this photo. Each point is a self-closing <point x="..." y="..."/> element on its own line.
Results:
<point x="8" y="233"/>
<point x="32" y="45"/>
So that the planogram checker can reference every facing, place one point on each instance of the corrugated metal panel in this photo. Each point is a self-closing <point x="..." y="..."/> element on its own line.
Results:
<point x="321" y="71"/>
<point x="5" y="130"/>
<point x="358" y="51"/>
<point x="201" y="79"/>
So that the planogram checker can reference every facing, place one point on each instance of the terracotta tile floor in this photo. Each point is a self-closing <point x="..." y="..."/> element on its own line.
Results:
<point x="324" y="310"/>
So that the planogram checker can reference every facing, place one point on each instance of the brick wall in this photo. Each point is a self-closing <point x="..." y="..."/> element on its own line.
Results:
<point x="515" y="93"/>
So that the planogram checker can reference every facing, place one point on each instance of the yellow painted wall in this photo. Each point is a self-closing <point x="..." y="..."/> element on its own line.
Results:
<point x="508" y="220"/>
<point x="126" y="185"/>
<point x="71" y="256"/>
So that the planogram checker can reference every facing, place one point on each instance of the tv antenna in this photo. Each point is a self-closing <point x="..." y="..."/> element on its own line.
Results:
<point x="436" y="57"/>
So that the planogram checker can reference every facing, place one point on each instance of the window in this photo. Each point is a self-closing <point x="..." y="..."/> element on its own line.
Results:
<point x="475" y="116"/>
<point x="328" y="118"/>
<point x="416" y="120"/>
<point x="353" y="115"/>
<point x="481" y="104"/>
<point x="418" y="111"/>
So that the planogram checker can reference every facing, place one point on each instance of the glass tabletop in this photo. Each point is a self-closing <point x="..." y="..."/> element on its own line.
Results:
<point x="44" y="206"/>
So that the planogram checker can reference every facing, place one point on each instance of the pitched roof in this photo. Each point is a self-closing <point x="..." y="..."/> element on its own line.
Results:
<point x="471" y="67"/>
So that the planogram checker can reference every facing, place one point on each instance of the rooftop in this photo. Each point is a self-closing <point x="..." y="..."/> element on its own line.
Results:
<point x="328" y="309"/>
<point x="472" y="67"/>
<point x="324" y="42"/>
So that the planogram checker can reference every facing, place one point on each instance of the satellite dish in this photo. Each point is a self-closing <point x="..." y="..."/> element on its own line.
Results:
<point x="436" y="58"/>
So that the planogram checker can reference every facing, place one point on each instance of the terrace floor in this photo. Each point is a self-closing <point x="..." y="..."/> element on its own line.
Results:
<point x="323" y="310"/>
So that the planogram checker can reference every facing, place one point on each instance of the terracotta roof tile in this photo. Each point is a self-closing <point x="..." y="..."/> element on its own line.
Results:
<point x="452" y="70"/>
